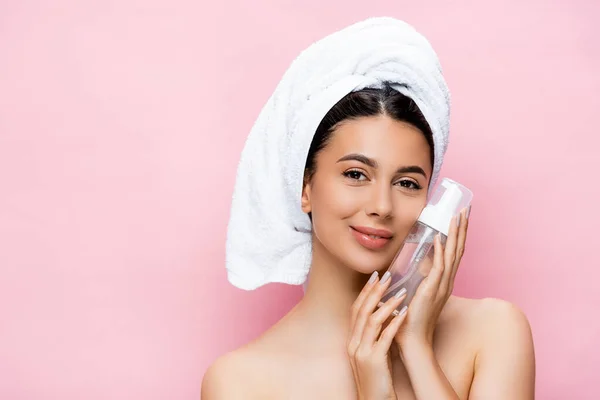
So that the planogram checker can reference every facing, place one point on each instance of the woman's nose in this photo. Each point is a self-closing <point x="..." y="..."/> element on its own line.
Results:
<point x="380" y="203"/>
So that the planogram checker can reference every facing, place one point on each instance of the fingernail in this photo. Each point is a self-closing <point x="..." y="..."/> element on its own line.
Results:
<point x="458" y="221"/>
<point x="373" y="277"/>
<point x="468" y="212"/>
<point x="400" y="293"/>
<point x="385" y="277"/>
<point x="403" y="311"/>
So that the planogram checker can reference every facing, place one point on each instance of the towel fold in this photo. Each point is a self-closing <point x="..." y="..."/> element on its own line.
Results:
<point x="268" y="235"/>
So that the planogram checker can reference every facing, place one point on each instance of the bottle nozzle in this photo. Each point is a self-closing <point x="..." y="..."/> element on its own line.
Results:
<point x="453" y="197"/>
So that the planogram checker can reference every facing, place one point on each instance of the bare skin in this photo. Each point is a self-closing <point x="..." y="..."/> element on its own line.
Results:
<point x="456" y="349"/>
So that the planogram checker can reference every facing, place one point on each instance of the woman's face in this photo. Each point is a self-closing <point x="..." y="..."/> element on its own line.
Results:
<point x="369" y="187"/>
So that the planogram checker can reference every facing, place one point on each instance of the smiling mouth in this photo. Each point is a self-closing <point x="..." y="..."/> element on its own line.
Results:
<point x="373" y="232"/>
<point x="370" y="241"/>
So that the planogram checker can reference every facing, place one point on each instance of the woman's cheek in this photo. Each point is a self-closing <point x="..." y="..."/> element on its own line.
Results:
<point x="407" y="214"/>
<point x="338" y="199"/>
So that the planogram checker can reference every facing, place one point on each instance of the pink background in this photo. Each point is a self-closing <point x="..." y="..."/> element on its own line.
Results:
<point x="121" y="123"/>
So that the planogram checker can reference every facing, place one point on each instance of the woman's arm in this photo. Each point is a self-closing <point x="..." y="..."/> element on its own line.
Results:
<point x="426" y="377"/>
<point x="505" y="366"/>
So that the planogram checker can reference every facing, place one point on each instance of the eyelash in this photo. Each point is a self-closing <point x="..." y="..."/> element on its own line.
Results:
<point x="348" y="173"/>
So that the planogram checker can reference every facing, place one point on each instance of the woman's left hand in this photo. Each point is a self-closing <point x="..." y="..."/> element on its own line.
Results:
<point x="436" y="288"/>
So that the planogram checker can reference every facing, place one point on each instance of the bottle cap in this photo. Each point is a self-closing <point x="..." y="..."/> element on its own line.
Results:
<point x="448" y="200"/>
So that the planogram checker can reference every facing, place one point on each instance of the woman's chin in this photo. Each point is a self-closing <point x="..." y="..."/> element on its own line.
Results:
<point x="366" y="261"/>
<point x="367" y="264"/>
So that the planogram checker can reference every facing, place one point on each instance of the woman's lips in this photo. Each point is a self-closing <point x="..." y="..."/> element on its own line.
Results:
<point x="370" y="238"/>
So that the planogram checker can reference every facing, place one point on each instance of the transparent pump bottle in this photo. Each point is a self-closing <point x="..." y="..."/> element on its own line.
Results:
<point x="414" y="260"/>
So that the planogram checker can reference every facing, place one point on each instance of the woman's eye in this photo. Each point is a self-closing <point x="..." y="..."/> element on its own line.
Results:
<point x="410" y="185"/>
<point x="353" y="174"/>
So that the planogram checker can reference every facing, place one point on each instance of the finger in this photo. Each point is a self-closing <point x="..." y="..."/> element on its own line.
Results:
<point x="388" y="334"/>
<point x="353" y="339"/>
<point x="368" y="306"/>
<point x="462" y="233"/>
<point x="376" y="320"/>
<point x="461" y="242"/>
<point x="450" y="251"/>
<point x="362" y="296"/>
<point x="431" y="284"/>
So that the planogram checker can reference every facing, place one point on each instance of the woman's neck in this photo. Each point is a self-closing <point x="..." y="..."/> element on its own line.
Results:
<point x="330" y="291"/>
<point x="320" y="322"/>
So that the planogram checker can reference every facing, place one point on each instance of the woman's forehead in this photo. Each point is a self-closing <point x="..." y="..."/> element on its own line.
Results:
<point x="381" y="138"/>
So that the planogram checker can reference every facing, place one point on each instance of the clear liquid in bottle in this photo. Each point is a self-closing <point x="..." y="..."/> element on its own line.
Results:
<point x="414" y="260"/>
<point x="412" y="263"/>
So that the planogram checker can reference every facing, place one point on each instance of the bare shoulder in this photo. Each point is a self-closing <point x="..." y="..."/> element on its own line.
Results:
<point x="504" y="365"/>
<point x="234" y="375"/>
<point x="506" y="333"/>
<point x="493" y="324"/>
<point x="501" y="328"/>
<point x="487" y="314"/>
<point x="248" y="372"/>
<point x="500" y="318"/>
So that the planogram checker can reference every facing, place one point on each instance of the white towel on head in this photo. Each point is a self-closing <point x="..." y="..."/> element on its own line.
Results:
<point x="268" y="235"/>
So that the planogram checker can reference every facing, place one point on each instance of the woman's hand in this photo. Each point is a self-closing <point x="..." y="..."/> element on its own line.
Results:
<point x="435" y="289"/>
<point x="369" y="345"/>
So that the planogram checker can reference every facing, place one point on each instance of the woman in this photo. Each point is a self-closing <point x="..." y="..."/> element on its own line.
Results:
<point x="366" y="180"/>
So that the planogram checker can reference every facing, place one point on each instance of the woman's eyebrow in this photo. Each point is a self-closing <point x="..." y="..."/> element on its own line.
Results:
<point x="360" y="158"/>
<point x="411" y="169"/>
<point x="373" y="164"/>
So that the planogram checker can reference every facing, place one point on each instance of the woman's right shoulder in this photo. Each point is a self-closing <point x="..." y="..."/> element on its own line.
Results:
<point x="234" y="375"/>
<point x="247" y="372"/>
<point x="228" y="377"/>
